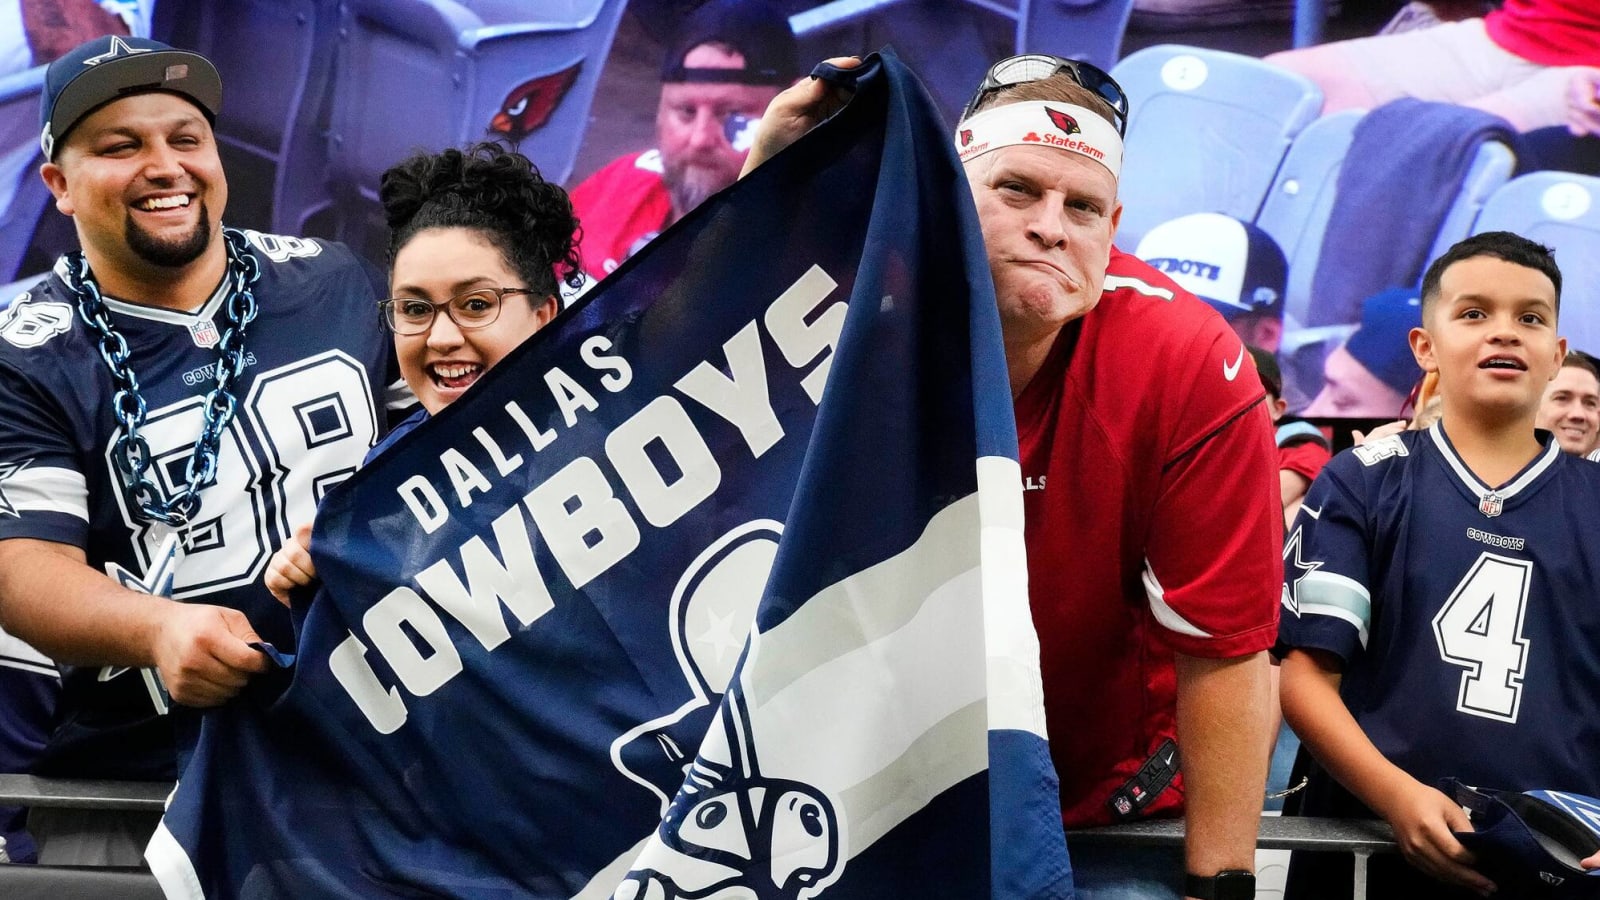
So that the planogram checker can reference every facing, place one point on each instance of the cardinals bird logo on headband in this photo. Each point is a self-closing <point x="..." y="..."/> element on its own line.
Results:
<point x="1066" y="123"/>
<point x="966" y="136"/>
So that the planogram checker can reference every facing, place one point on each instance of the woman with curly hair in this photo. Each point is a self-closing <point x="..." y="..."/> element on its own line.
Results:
<point x="478" y="241"/>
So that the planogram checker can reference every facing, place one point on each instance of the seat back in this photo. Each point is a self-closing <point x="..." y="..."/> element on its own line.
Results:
<point x="1089" y="30"/>
<point x="1560" y="210"/>
<point x="1297" y="206"/>
<point x="431" y="74"/>
<point x="275" y="58"/>
<point x="23" y="196"/>
<point x="1207" y="133"/>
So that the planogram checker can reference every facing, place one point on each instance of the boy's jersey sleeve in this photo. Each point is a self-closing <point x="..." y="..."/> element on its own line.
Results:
<point x="1327" y="598"/>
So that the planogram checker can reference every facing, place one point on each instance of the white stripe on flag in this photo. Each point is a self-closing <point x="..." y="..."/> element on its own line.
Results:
<point x="171" y="865"/>
<point x="1016" y="689"/>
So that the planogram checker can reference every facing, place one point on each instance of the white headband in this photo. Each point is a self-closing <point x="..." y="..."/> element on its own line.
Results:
<point x="1042" y="123"/>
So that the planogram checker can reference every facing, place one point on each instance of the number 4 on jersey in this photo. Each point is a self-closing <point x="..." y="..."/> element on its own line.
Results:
<point x="1480" y="629"/>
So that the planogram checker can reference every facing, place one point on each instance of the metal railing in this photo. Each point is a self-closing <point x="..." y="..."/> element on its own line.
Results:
<point x="1362" y="838"/>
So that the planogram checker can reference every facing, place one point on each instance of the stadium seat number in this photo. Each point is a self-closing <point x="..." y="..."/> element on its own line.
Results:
<point x="1480" y="630"/>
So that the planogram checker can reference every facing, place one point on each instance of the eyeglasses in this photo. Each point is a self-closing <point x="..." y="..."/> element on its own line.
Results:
<point x="1039" y="66"/>
<point x="474" y="309"/>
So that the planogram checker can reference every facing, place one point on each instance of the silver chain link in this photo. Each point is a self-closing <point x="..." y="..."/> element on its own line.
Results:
<point x="131" y="452"/>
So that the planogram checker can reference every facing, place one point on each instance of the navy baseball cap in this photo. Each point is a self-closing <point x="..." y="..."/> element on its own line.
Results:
<point x="1232" y="265"/>
<point x="1382" y="343"/>
<point x="108" y="68"/>
<point x="1530" y="843"/>
<point x="758" y="30"/>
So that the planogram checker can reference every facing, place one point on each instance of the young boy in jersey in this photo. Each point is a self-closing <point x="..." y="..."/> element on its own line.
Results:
<point x="1440" y="616"/>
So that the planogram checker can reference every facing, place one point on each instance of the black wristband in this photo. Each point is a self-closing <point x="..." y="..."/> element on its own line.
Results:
<point x="1230" y="884"/>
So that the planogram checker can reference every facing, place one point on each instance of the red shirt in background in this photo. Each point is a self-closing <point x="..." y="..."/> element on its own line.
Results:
<point x="620" y="208"/>
<point x="1548" y="32"/>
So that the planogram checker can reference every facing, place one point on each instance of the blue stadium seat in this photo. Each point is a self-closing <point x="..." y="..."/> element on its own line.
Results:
<point x="275" y="58"/>
<point x="1090" y="30"/>
<point x="1207" y="133"/>
<point x="1560" y="210"/>
<point x="951" y="43"/>
<point x="1296" y="209"/>
<point x="26" y="198"/>
<point x="1296" y="212"/>
<point x="430" y="74"/>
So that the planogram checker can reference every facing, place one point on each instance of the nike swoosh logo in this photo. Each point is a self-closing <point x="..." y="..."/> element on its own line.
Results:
<point x="1232" y="372"/>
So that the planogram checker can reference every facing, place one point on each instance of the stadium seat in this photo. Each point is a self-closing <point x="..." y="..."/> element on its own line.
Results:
<point x="25" y="199"/>
<point x="1296" y="209"/>
<point x="430" y="74"/>
<point x="1560" y="210"/>
<point x="1296" y="212"/>
<point x="275" y="58"/>
<point x="1081" y="29"/>
<point x="1207" y="133"/>
<point x="950" y="43"/>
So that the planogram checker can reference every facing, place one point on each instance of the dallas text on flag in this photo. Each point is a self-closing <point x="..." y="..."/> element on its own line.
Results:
<point x="576" y="510"/>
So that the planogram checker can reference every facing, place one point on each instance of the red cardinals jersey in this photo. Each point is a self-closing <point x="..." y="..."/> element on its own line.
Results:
<point x="620" y="208"/>
<point x="1154" y="523"/>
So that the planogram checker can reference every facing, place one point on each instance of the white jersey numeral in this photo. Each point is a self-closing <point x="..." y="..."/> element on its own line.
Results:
<point x="312" y="421"/>
<point x="1480" y="629"/>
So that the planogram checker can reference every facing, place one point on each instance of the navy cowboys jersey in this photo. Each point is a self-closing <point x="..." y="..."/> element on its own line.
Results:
<point x="311" y="402"/>
<point x="1466" y="618"/>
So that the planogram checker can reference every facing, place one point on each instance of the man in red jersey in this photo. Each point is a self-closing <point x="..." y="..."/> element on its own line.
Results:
<point x="726" y="62"/>
<point x="1154" y="525"/>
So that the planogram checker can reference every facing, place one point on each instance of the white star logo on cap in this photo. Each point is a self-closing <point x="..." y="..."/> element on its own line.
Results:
<point x="119" y="47"/>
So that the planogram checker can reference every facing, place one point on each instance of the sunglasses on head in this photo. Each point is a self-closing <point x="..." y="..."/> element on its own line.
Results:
<point x="1039" y="66"/>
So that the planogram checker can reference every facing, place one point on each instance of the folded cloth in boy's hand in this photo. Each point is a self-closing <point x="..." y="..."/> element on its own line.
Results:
<point x="1530" y="843"/>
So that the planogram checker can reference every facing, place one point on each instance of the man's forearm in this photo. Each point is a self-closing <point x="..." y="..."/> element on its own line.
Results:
<point x="1223" y="718"/>
<point x="50" y="598"/>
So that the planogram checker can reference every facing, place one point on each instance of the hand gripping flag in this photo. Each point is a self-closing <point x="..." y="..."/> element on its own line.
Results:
<point x="713" y="589"/>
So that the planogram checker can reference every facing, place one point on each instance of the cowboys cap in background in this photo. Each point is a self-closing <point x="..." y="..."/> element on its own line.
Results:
<point x="1232" y="265"/>
<point x="112" y="67"/>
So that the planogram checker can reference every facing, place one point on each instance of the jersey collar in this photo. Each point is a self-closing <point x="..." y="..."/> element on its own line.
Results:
<point x="206" y="310"/>
<point x="1519" y="483"/>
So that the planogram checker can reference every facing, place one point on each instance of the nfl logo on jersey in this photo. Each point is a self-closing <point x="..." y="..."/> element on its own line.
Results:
<point x="204" y="333"/>
<point x="1491" y="505"/>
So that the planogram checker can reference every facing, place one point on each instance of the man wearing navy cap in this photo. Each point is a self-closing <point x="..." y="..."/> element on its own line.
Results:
<point x="722" y="68"/>
<point x="1370" y="376"/>
<point x="171" y="397"/>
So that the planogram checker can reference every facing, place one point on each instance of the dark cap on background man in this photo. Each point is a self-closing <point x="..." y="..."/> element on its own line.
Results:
<point x="1381" y="344"/>
<point x="108" y="68"/>
<point x="758" y="30"/>
<point x="1232" y="265"/>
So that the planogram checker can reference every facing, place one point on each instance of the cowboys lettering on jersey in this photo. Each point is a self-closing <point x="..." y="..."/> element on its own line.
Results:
<point x="311" y="401"/>
<point x="1464" y="617"/>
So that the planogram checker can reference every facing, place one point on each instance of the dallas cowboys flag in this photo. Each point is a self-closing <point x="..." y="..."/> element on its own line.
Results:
<point x="714" y="589"/>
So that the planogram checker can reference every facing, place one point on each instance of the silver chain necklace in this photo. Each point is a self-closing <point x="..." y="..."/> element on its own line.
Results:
<point x="131" y="452"/>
